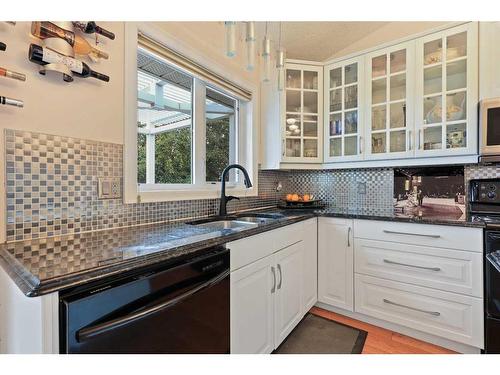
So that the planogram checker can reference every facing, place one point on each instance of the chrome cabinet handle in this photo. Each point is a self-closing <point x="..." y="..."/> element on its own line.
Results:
<point x="410" y="145"/>
<point x="360" y="145"/>
<point x="413" y="234"/>
<point x="273" y="289"/>
<point x="435" y="313"/>
<point x="349" y="237"/>
<point x="412" y="265"/>
<point x="283" y="147"/>
<point x="281" y="277"/>
<point x="420" y="139"/>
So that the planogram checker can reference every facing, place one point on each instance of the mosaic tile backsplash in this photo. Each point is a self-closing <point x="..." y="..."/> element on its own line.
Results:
<point x="52" y="183"/>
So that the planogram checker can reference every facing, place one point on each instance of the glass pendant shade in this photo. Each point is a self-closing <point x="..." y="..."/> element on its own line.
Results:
<point x="250" y="44"/>
<point x="230" y="38"/>
<point x="266" y="56"/>
<point x="280" y="65"/>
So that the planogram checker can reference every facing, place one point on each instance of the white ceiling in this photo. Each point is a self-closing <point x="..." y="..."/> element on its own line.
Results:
<point x="317" y="41"/>
<point x="320" y="41"/>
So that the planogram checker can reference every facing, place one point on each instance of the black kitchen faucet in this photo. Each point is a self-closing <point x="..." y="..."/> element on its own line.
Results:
<point x="223" y="198"/>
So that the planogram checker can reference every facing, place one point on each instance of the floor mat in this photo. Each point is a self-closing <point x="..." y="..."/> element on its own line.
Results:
<point x="318" y="335"/>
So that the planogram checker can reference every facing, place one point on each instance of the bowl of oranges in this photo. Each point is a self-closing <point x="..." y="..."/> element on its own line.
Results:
<point x="299" y="200"/>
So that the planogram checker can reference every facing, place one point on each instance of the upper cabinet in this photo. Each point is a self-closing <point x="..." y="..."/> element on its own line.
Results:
<point x="408" y="103"/>
<point x="447" y="91"/>
<point x="302" y="114"/>
<point x="343" y="105"/>
<point x="390" y="101"/>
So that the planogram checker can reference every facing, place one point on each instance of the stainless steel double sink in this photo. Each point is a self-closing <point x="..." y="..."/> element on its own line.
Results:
<point x="237" y="223"/>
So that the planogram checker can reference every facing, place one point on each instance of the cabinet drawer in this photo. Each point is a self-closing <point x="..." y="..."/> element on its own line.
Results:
<point x="452" y="316"/>
<point x="450" y="237"/>
<point x="250" y="249"/>
<point x="449" y="270"/>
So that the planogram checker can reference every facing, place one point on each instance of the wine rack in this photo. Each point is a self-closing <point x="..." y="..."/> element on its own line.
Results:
<point x="59" y="46"/>
<point x="63" y="47"/>
<point x="13" y="75"/>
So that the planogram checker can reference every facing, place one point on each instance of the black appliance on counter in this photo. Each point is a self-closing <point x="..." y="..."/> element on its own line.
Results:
<point x="175" y="307"/>
<point x="484" y="206"/>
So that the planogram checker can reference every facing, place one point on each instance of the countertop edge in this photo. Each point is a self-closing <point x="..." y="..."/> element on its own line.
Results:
<point x="456" y="223"/>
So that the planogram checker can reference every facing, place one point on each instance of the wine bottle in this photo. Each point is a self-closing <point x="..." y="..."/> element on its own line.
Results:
<point x="9" y="101"/>
<point x="3" y="46"/>
<point x="90" y="27"/>
<point x="10" y="74"/>
<point x="44" y="56"/>
<point x="46" y="29"/>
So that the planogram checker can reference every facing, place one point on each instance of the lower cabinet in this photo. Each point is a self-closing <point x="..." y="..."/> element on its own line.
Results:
<point x="270" y="296"/>
<point x="288" y="294"/>
<point x="424" y="277"/>
<point x="266" y="301"/>
<point x="252" y="307"/>
<point x="310" y="264"/>
<point x="335" y="262"/>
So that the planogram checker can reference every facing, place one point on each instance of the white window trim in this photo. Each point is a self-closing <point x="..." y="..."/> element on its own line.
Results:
<point x="248" y="127"/>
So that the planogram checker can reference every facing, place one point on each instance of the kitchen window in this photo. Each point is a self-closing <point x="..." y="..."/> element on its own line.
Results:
<point x="190" y="124"/>
<point x="167" y="123"/>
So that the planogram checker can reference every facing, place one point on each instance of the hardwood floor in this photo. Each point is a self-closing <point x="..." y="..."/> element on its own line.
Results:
<point x="383" y="341"/>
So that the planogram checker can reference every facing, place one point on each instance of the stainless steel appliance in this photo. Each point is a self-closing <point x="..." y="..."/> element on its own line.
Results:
<point x="176" y="307"/>
<point x="484" y="206"/>
<point x="489" y="130"/>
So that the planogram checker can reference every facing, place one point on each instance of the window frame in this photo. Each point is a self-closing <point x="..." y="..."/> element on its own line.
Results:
<point x="246" y="153"/>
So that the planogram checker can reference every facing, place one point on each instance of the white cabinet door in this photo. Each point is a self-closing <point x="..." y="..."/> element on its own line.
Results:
<point x="302" y="114"/>
<point x="344" y="103"/>
<point x="252" y="307"/>
<point x="310" y="263"/>
<point x="335" y="262"/>
<point x="447" y="92"/>
<point x="390" y="102"/>
<point x="288" y="298"/>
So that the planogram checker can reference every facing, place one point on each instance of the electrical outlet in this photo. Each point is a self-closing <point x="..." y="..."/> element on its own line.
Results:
<point x="361" y="187"/>
<point x="109" y="187"/>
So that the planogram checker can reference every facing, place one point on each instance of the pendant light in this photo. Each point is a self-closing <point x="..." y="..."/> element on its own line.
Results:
<point x="230" y="27"/>
<point x="280" y="63"/>
<point x="250" y="44"/>
<point x="266" y="56"/>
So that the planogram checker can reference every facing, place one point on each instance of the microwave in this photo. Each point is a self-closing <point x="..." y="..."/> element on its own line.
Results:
<point x="489" y="130"/>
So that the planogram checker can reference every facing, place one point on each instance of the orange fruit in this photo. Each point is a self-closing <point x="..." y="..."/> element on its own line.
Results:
<point x="289" y="197"/>
<point x="295" y="198"/>
<point x="306" y="198"/>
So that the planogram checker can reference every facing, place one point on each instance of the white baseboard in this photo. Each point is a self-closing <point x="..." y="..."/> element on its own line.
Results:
<point x="445" y="343"/>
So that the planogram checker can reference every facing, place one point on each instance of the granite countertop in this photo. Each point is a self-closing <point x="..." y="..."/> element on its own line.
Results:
<point x="46" y="265"/>
<point x="401" y="216"/>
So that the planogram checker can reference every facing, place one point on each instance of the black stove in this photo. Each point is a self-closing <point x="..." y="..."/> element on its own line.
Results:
<point x="484" y="206"/>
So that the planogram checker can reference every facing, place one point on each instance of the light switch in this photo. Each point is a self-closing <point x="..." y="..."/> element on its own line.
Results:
<point x="106" y="189"/>
<point x="109" y="187"/>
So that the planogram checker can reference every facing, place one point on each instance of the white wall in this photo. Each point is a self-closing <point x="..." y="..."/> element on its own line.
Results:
<point x="84" y="108"/>
<point x="489" y="56"/>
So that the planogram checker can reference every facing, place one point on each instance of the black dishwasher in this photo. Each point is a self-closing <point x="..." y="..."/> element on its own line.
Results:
<point x="172" y="308"/>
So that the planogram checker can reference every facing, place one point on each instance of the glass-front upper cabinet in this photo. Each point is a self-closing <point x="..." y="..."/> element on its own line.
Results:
<point x="390" y="102"/>
<point x="446" y="117"/>
<point x="302" y="117"/>
<point x="343" y="110"/>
